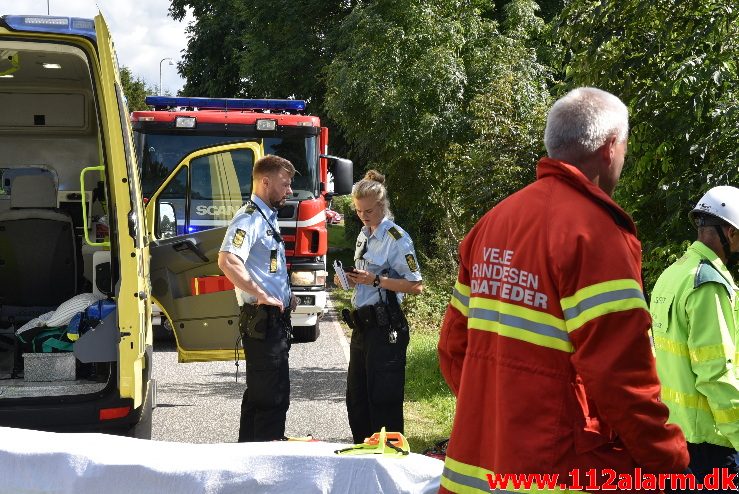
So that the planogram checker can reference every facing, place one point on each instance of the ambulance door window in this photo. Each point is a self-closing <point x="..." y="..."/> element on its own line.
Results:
<point x="171" y="199"/>
<point x="219" y="184"/>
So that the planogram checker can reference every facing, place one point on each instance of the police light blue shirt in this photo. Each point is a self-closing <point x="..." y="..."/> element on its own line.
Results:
<point x="250" y="237"/>
<point x="388" y="252"/>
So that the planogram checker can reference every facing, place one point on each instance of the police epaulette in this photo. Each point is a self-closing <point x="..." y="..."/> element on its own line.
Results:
<point x="394" y="232"/>
<point x="250" y="207"/>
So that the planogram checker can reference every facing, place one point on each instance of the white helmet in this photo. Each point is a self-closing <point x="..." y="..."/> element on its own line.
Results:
<point x="721" y="202"/>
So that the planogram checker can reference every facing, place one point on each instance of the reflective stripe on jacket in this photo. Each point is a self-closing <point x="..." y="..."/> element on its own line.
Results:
<point x="694" y="307"/>
<point x="545" y="341"/>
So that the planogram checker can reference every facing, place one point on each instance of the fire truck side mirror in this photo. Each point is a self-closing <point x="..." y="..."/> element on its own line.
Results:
<point x="343" y="171"/>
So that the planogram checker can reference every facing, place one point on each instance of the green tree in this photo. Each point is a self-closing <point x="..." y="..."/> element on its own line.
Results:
<point x="547" y="9"/>
<point x="507" y="114"/>
<point x="135" y="89"/>
<point x="445" y="101"/>
<point x="258" y="48"/>
<point x="675" y="65"/>
<point x="211" y="65"/>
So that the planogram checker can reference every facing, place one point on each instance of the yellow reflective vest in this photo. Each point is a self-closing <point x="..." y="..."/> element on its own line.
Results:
<point x="693" y="309"/>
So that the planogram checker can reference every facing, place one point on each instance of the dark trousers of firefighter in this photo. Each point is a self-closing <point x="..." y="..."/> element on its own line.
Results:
<point x="267" y="396"/>
<point x="375" y="382"/>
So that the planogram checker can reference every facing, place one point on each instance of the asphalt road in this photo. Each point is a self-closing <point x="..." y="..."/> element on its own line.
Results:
<point x="200" y="402"/>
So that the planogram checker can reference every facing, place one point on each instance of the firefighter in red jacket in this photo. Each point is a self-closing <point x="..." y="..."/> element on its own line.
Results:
<point x="545" y="341"/>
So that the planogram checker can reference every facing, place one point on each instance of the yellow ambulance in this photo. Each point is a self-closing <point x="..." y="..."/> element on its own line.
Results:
<point x="76" y="237"/>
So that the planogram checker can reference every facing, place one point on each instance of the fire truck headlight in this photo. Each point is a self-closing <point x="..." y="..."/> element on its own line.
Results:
<point x="185" y="122"/>
<point x="303" y="278"/>
<point x="266" y="124"/>
<point x="307" y="278"/>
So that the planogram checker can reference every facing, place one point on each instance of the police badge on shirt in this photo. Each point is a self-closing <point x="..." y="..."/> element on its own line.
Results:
<point x="273" y="261"/>
<point x="238" y="239"/>
<point x="411" y="260"/>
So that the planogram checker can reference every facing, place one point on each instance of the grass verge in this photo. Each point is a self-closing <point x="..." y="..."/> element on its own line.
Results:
<point x="429" y="405"/>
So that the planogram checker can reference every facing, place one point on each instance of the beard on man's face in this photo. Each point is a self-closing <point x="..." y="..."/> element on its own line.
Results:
<point x="278" y="202"/>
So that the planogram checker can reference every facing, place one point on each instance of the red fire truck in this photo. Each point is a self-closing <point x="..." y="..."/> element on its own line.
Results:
<point x="190" y="198"/>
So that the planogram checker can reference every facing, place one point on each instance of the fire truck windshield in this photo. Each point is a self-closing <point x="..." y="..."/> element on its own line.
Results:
<point x="159" y="153"/>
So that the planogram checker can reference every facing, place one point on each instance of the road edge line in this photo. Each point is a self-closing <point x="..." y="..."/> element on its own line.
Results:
<point x="340" y="333"/>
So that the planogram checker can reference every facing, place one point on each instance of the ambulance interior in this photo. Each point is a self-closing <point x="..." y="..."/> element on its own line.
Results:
<point x="49" y="132"/>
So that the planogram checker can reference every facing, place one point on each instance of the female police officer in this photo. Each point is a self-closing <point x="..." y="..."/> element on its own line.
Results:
<point x="385" y="267"/>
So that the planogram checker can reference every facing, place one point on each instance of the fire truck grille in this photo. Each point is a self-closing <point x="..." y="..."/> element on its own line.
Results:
<point x="286" y="212"/>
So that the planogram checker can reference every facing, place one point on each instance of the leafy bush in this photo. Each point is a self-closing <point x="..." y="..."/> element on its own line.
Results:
<point x="444" y="101"/>
<point x="352" y="224"/>
<point x="426" y="311"/>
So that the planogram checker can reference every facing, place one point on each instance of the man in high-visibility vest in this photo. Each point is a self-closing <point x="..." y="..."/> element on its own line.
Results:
<point x="545" y="342"/>
<point x="694" y="312"/>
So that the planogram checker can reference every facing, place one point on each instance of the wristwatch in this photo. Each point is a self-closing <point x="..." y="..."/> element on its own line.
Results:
<point x="376" y="283"/>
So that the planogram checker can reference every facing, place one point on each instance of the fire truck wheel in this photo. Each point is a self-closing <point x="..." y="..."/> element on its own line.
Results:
<point x="163" y="332"/>
<point x="306" y="334"/>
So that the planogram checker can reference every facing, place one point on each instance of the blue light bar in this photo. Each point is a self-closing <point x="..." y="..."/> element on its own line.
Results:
<point x="227" y="103"/>
<point x="47" y="24"/>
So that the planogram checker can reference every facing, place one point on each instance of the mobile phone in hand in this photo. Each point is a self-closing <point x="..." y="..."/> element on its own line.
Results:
<point x="349" y="269"/>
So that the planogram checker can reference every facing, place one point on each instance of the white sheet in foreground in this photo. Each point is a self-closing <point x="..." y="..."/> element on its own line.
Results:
<point x="43" y="462"/>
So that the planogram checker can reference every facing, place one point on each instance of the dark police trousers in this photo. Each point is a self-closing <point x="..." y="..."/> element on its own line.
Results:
<point x="375" y="380"/>
<point x="704" y="457"/>
<point x="267" y="396"/>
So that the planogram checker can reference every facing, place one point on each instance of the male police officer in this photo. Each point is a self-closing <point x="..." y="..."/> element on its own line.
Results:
<point x="694" y="307"/>
<point x="253" y="258"/>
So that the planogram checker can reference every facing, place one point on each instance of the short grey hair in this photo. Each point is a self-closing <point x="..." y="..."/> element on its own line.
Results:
<point x="372" y="185"/>
<point x="583" y="120"/>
